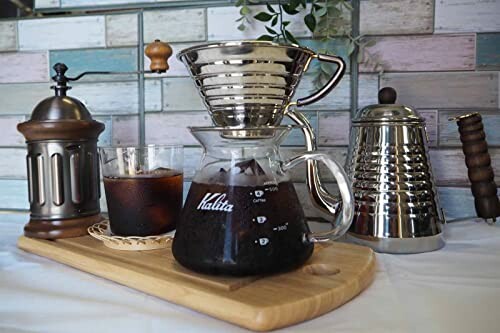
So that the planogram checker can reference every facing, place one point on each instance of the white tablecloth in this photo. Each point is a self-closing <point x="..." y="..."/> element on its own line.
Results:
<point x="456" y="289"/>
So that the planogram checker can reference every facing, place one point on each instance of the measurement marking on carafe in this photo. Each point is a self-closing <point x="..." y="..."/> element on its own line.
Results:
<point x="281" y="227"/>
<point x="260" y="219"/>
<point x="258" y="196"/>
<point x="262" y="241"/>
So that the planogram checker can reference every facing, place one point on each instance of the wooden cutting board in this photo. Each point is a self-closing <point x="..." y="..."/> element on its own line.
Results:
<point x="336" y="273"/>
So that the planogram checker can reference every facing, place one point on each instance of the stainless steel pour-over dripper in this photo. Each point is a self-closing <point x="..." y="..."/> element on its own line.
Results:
<point x="251" y="84"/>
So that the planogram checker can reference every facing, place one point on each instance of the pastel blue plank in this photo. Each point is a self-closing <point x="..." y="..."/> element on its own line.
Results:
<point x="105" y="136"/>
<point x="296" y="137"/>
<point x="457" y="202"/>
<point x="10" y="219"/>
<point x="337" y="46"/>
<point x="488" y="51"/>
<point x="448" y="130"/>
<point x="14" y="194"/>
<point x="79" y="61"/>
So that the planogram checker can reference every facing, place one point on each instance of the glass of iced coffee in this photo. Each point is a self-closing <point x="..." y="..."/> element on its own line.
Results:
<point x="143" y="188"/>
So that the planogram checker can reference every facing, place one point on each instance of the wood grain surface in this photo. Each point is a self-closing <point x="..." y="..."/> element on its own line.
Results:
<point x="222" y="25"/>
<point x="448" y="130"/>
<point x="183" y="25"/>
<point x="13" y="163"/>
<point x="387" y="17"/>
<point x="10" y="136"/>
<point x="8" y="35"/>
<point x="424" y="53"/>
<point x="21" y="98"/>
<point x="14" y="194"/>
<point x="336" y="273"/>
<point x="171" y="127"/>
<point x="110" y="59"/>
<point x="488" y="51"/>
<point x="467" y="16"/>
<point x="334" y="128"/>
<point x="62" y="33"/>
<point x="445" y="89"/>
<point x="431" y="125"/>
<point x="39" y="4"/>
<point x="449" y="167"/>
<point x="24" y="67"/>
<point x="117" y="97"/>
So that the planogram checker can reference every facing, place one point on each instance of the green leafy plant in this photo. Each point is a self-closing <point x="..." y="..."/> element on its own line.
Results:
<point x="326" y="19"/>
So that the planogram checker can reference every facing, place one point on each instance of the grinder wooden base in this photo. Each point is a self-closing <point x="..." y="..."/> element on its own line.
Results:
<point x="336" y="273"/>
<point x="62" y="228"/>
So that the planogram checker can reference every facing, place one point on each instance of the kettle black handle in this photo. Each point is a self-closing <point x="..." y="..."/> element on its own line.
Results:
<point x="332" y="83"/>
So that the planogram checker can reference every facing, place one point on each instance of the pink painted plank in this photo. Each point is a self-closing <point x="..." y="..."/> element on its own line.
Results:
<point x="24" y="67"/>
<point x="125" y="130"/>
<point x="424" y="53"/>
<point x="333" y="128"/>
<point x="449" y="166"/>
<point x="431" y="125"/>
<point x="171" y="127"/>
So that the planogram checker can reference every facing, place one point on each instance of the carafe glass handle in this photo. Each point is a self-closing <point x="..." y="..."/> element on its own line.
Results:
<point x="339" y="226"/>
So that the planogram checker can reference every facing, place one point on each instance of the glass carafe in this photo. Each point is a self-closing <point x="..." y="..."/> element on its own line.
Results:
<point x="242" y="215"/>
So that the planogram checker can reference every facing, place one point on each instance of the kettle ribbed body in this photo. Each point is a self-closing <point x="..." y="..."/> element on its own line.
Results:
<point x="392" y="182"/>
<point x="396" y="203"/>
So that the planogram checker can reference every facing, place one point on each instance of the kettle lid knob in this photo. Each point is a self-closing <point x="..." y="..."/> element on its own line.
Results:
<point x="387" y="95"/>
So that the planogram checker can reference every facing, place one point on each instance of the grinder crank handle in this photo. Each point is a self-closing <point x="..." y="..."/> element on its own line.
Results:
<point x="339" y="226"/>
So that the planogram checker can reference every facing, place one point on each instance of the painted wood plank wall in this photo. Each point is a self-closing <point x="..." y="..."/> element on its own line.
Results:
<point x="8" y="36"/>
<point x="62" y="33"/>
<point x="454" y="72"/>
<point x="121" y="30"/>
<point x="39" y="4"/>
<point x="184" y="25"/>
<point x="445" y="89"/>
<point x="467" y="16"/>
<point x="111" y="59"/>
<point x="24" y="67"/>
<point x="10" y="136"/>
<point x="448" y="130"/>
<point x="488" y="51"/>
<point x="222" y="25"/>
<point x="424" y="53"/>
<point x="387" y="17"/>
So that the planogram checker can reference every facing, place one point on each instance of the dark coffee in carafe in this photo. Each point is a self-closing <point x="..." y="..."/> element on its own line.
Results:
<point x="242" y="230"/>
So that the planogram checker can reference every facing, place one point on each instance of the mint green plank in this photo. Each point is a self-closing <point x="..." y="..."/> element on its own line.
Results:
<point x="488" y="51"/>
<point x="296" y="137"/>
<point x="105" y="136"/>
<point x="457" y="202"/>
<point x="337" y="46"/>
<point x="78" y="61"/>
<point x="13" y="194"/>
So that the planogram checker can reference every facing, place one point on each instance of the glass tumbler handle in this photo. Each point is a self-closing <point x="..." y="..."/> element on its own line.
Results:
<point x="339" y="226"/>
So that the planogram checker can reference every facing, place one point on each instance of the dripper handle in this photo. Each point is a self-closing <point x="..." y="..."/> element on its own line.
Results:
<point x="339" y="226"/>
<point x="332" y="83"/>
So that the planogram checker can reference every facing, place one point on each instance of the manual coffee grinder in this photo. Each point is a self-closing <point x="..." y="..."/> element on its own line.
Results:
<point x="62" y="160"/>
<point x="242" y="215"/>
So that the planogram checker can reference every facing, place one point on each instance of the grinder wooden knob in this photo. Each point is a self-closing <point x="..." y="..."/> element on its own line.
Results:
<point x="158" y="52"/>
